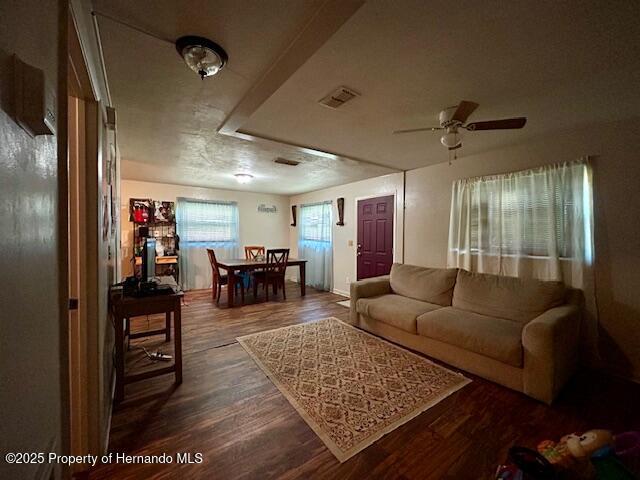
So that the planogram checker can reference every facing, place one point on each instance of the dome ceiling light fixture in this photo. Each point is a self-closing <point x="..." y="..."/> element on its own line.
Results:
<point x="201" y="55"/>
<point x="243" y="177"/>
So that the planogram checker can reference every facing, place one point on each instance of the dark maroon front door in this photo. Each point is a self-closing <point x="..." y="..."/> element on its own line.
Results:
<point x="375" y="236"/>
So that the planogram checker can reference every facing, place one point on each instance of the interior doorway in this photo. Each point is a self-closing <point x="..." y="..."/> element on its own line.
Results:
<point x="375" y="236"/>
<point x="82" y="140"/>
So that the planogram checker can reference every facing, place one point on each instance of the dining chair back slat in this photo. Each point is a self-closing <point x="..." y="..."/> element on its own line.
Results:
<point x="252" y="251"/>
<point x="277" y="259"/>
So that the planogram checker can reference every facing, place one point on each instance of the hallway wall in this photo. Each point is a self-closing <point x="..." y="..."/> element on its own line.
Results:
<point x="30" y="393"/>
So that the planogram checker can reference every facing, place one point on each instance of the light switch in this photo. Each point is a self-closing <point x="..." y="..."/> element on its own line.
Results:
<point x="351" y="243"/>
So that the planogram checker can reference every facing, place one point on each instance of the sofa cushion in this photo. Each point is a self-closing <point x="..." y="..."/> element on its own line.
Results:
<point x="513" y="298"/>
<point x="492" y="337"/>
<point x="394" y="310"/>
<point x="433" y="285"/>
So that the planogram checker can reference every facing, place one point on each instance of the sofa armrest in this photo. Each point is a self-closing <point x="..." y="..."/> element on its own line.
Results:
<point x="550" y="343"/>
<point x="370" y="287"/>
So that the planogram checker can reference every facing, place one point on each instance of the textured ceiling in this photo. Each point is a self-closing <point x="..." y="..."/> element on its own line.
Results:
<point x="168" y="117"/>
<point x="561" y="64"/>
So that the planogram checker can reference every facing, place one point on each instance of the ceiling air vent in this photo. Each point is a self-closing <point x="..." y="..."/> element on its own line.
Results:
<point x="284" y="161"/>
<point x="338" y="97"/>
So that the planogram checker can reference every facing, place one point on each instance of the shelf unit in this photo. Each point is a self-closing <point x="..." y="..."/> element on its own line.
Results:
<point x="165" y="236"/>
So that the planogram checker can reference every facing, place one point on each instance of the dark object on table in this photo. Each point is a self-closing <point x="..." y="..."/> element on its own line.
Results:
<point x="533" y="465"/>
<point x="340" y="212"/>
<point x="273" y="273"/>
<point x="150" y="289"/>
<point x="132" y="287"/>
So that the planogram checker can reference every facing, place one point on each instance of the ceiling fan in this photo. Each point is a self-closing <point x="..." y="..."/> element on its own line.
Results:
<point x="453" y="118"/>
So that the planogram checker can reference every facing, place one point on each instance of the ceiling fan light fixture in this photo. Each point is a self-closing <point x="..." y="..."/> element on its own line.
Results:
<point x="201" y="55"/>
<point x="451" y="139"/>
<point x="243" y="177"/>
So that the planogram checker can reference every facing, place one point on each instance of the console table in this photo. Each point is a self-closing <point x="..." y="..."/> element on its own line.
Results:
<point x="123" y="307"/>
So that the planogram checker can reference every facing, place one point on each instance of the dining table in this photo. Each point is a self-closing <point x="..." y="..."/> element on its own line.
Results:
<point x="234" y="266"/>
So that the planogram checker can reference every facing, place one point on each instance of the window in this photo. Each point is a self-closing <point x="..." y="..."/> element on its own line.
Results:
<point x="207" y="222"/>
<point x="315" y="222"/>
<point x="538" y="213"/>
<point x="314" y="244"/>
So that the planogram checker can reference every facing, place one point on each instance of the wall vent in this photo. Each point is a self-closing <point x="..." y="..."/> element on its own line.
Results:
<point x="284" y="161"/>
<point x="338" y="97"/>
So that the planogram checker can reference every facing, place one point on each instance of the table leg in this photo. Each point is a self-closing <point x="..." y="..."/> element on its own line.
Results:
<point x="177" y="338"/>
<point x="119" y="333"/>
<point x="303" y="279"/>
<point x="167" y="335"/>
<point x="231" y="287"/>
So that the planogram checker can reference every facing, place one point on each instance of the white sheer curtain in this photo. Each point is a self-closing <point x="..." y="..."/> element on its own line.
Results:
<point x="534" y="223"/>
<point x="204" y="224"/>
<point x="315" y="244"/>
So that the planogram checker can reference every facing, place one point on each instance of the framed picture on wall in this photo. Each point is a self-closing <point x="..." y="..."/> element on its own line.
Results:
<point x="163" y="211"/>
<point x="140" y="210"/>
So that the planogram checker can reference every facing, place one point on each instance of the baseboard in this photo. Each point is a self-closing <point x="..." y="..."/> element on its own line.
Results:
<point x="341" y="292"/>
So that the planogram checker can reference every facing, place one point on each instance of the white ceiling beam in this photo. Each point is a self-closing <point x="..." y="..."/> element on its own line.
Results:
<point x="322" y="25"/>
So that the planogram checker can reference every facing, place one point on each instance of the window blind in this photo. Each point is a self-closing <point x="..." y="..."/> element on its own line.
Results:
<point x="207" y="222"/>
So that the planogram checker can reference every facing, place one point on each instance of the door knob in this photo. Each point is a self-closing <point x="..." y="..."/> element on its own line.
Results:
<point x="359" y="245"/>
<point x="359" y="253"/>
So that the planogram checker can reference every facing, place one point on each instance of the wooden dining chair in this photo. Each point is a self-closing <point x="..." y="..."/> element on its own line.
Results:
<point x="252" y="251"/>
<point x="219" y="280"/>
<point x="273" y="273"/>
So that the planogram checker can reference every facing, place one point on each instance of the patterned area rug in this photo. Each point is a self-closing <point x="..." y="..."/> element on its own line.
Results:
<point x="350" y="387"/>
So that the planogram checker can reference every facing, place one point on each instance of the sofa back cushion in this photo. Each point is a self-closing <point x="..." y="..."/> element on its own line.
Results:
<point x="513" y="298"/>
<point x="433" y="285"/>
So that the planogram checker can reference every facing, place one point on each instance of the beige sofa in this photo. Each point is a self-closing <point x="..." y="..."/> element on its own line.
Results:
<point x="522" y="334"/>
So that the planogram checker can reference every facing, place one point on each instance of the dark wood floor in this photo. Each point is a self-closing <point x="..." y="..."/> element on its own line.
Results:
<point x="229" y="411"/>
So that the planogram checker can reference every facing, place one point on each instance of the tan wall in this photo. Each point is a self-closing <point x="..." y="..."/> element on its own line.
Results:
<point x="344" y="266"/>
<point x="29" y="315"/>
<point x="256" y="228"/>
<point x="617" y="229"/>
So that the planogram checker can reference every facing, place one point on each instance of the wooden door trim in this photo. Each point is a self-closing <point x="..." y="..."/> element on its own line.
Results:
<point x="393" y="194"/>
<point x="84" y="395"/>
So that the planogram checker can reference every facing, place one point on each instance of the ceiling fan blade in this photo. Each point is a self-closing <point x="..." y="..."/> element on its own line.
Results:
<point x="465" y="108"/>
<point x="424" y="129"/>
<point x="506" y="124"/>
